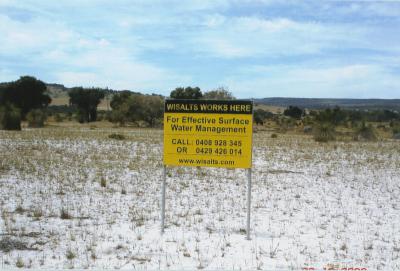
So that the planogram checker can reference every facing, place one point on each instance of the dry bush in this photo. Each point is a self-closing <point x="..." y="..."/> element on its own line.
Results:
<point x="58" y="117"/>
<point x="7" y="244"/>
<point x="324" y="132"/>
<point x="117" y="136"/>
<point x="36" y="118"/>
<point x="396" y="132"/>
<point x="366" y="133"/>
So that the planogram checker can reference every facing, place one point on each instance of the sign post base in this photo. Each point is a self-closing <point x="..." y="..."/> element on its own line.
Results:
<point x="248" y="202"/>
<point x="164" y="177"/>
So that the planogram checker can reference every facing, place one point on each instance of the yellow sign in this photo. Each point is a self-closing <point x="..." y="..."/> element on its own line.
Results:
<point x="208" y="133"/>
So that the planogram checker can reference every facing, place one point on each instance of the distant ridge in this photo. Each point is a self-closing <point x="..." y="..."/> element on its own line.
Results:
<point x="56" y="90"/>
<point x="321" y="103"/>
<point x="59" y="94"/>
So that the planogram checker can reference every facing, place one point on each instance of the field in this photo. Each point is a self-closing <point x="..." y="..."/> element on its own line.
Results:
<point x="71" y="197"/>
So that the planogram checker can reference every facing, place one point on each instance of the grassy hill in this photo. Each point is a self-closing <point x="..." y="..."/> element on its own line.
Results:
<point x="59" y="96"/>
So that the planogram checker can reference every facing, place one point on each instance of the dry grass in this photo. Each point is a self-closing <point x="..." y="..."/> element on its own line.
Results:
<point x="309" y="201"/>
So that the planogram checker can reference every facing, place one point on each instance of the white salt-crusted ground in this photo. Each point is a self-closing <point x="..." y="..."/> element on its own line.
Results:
<point x="313" y="204"/>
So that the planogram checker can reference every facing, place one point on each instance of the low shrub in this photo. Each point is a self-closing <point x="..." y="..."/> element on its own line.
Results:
<point x="103" y="182"/>
<point x="396" y="130"/>
<point x="10" y="118"/>
<point x="19" y="263"/>
<point x="324" y="132"/>
<point x="58" y="117"/>
<point x="117" y="136"/>
<point x="65" y="214"/>
<point x="8" y="244"/>
<point x="307" y="129"/>
<point x="117" y="116"/>
<point x="366" y="133"/>
<point x="70" y="254"/>
<point x="36" y="118"/>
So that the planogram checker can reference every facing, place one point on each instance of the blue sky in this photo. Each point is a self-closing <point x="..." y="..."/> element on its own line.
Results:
<point x="259" y="48"/>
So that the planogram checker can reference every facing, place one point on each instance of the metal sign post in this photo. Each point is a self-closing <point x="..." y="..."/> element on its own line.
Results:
<point x="164" y="177"/>
<point x="248" y="202"/>
<point x="209" y="133"/>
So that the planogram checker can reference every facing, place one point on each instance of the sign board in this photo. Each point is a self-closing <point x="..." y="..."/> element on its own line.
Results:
<point x="208" y="133"/>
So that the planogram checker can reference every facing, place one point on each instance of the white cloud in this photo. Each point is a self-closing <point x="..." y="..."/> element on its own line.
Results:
<point x="7" y="75"/>
<point x="335" y="74"/>
<point x="38" y="35"/>
<point x="369" y="8"/>
<point x="348" y="81"/>
<point x="110" y="66"/>
<point x="214" y="20"/>
<point x="75" y="58"/>
<point x="154" y="45"/>
<point x="235" y="37"/>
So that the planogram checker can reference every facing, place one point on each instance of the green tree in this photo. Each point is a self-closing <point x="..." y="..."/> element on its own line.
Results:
<point x="260" y="115"/>
<point x="334" y="116"/>
<point x="132" y="107"/>
<point x="186" y="93"/>
<point x="152" y="109"/>
<point x="219" y="94"/>
<point x="120" y="97"/>
<point x="26" y="93"/>
<point x="126" y="107"/>
<point x="118" y="116"/>
<point x="294" y="112"/>
<point x="86" y="100"/>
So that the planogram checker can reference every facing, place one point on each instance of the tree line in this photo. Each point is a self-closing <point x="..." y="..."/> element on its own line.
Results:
<point x="324" y="124"/>
<point x="27" y="99"/>
<point x="128" y="107"/>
